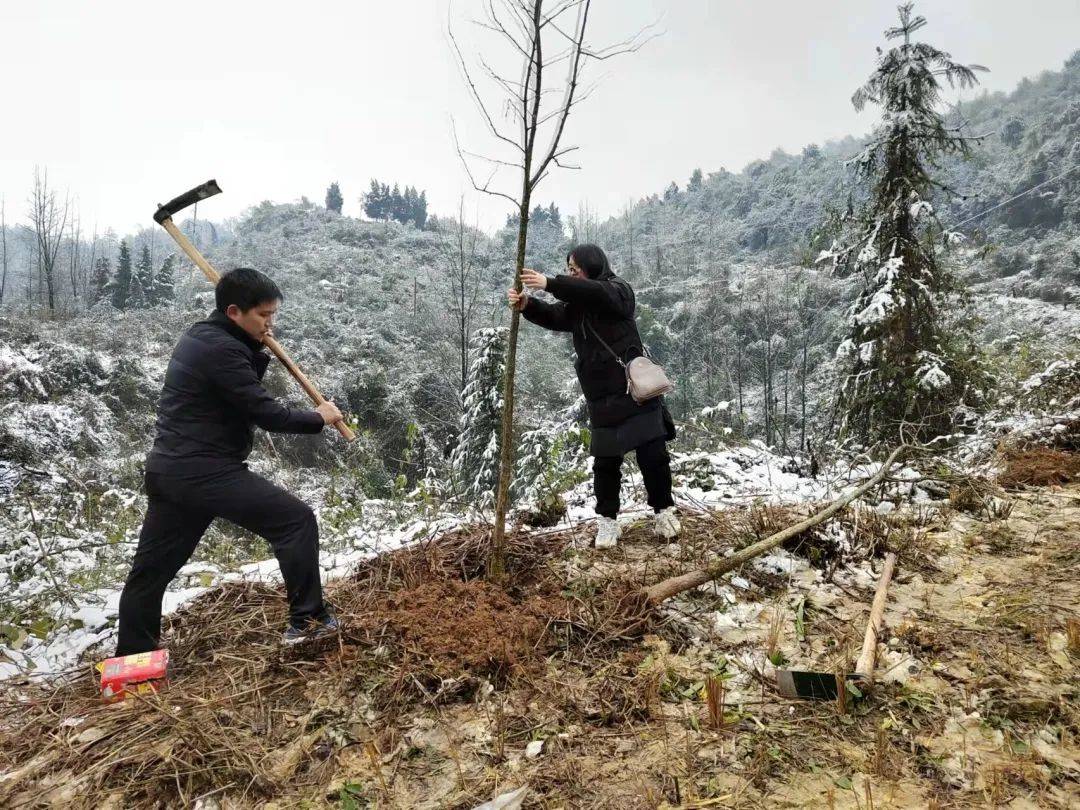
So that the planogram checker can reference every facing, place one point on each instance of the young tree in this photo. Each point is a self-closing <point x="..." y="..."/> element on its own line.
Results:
<point x="334" y="201"/>
<point x="903" y="373"/>
<point x="142" y="281"/>
<point x="120" y="285"/>
<point x="99" y="282"/>
<point x="463" y="278"/>
<point x="49" y="221"/>
<point x="138" y="294"/>
<point x="538" y="33"/>
<point x="3" y="251"/>
<point x="475" y="460"/>
<point x="164" y="281"/>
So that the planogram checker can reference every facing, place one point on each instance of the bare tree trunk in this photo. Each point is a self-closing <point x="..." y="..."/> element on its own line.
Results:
<point x="73" y="261"/>
<point x="802" y="393"/>
<point x="672" y="586"/>
<point x="3" y="252"/>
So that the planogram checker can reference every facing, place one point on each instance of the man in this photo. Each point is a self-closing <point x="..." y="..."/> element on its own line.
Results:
<point x="212" y="397"/>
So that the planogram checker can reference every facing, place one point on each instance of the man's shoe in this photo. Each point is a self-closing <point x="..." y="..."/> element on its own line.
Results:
<point x="667" y="524"/>
<point x="325" y="625"/>
<point x="607" y="532"/>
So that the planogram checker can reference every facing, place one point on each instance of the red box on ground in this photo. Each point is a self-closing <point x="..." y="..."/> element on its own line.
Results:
<point x="141" y="673"/>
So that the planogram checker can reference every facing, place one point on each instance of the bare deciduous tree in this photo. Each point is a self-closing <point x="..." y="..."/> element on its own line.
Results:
<point x="538" y="34"/>
<point x="463" y="284"/>
<point x="3" y="242"/>
<point x="49" y="221"/>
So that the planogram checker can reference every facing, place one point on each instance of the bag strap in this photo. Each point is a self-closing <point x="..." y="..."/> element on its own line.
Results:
<point x="611" y="351"/>
<point x="619" y="360"/>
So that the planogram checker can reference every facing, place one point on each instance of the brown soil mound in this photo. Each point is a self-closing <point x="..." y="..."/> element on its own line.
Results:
<point x="470" y="627"/>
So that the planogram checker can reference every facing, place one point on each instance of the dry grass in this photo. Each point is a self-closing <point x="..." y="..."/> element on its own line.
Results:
<point x="1040" y="466"/>
<point x="441" y="679"/>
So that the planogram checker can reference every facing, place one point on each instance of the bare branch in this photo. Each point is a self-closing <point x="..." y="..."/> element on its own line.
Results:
<point x="485" y="189"/>
<point x="476" y="94"/>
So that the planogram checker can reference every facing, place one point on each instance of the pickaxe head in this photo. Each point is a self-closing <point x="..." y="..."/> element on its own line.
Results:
<point x="797" y="685"/>
<point x="207" y="189"/>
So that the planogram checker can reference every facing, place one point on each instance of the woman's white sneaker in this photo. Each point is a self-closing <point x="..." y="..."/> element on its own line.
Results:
<point x="667" y="524"/>
<point x="607" y="532"/>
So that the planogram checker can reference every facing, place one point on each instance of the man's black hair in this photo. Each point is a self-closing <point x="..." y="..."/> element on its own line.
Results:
<point x="246" y="288"/>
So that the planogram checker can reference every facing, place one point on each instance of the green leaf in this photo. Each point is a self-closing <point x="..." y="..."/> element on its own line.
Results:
<point x="853" y="689"/>
<point x="778" y="658"/>
<point x="843" y="782"/>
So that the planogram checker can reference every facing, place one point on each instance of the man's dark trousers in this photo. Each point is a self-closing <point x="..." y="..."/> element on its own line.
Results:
<point x="180" y="510"/>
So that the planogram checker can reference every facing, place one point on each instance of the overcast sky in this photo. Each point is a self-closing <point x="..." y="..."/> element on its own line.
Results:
<point x="129" y="102"/>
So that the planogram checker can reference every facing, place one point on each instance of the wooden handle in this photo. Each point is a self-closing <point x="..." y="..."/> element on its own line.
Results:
<point x="305" y="383"/>
<point x="191" y="251"/>
<point x="865" y="664"/>
<point x="212" y="274"/>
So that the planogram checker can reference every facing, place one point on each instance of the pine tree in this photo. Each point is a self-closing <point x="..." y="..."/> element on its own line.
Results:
<point x="903" y="371"/>
<point x="395" y="206"/>
<point x="696" y="181"/>
<point x="119" y="286"/>
<point x="334" y="201"/>
<point x="164" y="282"/>
<point x="144" y="275"/>
<point x="375" y="201"/>
<point x="420" y="212"/>
<point x="475" y="460"/>
<point x="99" y="282"/>
<point x="138" y="295"/>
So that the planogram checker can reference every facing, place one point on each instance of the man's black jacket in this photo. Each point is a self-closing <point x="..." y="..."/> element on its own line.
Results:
<point x="587" y="308"/>
<point x="213" y="397"/>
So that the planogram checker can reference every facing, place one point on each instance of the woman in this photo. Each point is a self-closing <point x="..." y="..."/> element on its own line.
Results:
<point x="598" y="308"/>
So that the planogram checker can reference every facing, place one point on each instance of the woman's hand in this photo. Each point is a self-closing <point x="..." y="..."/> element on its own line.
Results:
<point x="517" y="300"/>
<point x="533" y="280"/>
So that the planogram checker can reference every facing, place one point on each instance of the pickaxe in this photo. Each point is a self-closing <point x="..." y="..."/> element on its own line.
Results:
<point x="824" y="685"/>
<point x="163" y="217"/>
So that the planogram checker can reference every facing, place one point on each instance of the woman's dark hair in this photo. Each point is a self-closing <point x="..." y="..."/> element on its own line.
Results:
<point x="246" y="288"/>
<point x="591" y="259"/>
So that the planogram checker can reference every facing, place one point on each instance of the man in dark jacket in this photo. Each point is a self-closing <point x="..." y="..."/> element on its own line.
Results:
<point x="211" y="400"/>
<point x="597" y="307"/>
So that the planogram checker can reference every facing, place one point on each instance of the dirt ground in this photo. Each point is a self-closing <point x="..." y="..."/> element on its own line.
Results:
<point x="450" y="693"/>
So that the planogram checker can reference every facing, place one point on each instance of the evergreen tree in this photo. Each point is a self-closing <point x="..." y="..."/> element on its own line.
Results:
<point x="395" y="205"/>
<point x="144" y="274"/>
<point x="475" y="460"/>
<point x="903" y="371"/>
<point x="119" y="286"/>
<point x="695" y="181"/>
<point x="164" y="282"/>
<point x="420" y="212"/>
<point x="334" y="200"/>
<point x="138" y="295"/>
<point x="99" y="282"/>
<point x="375" y="202"/>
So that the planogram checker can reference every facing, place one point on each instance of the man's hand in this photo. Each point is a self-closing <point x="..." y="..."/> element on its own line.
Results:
<point x="517" y="300"/>
<point x="533" y="280"/>
<point x="329" y="412"/>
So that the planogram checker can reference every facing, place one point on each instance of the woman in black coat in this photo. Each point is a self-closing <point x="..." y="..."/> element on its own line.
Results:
<point x="597" y="307"/>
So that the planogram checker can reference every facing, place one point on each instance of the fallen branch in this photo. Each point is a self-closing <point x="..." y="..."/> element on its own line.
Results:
<point x="672" y="586"/>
